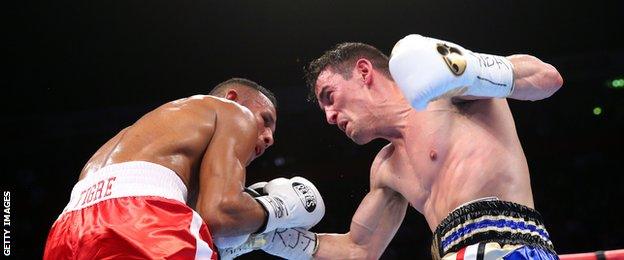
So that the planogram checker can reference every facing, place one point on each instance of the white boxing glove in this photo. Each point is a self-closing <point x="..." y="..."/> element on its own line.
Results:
<point x="233" y="241"/>
<point x="234" y="252"/>
<point x="427" y="69"/>
<point x="290" y="203"/>
<point x="291" y="243"/>
<point x="258" y="187"/>
<point x="288" y="243"/>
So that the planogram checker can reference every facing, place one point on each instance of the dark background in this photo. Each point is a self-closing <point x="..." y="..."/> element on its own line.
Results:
<point x="79" y="71"/>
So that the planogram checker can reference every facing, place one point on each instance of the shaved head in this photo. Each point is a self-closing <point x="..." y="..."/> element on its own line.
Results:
<point x="243" y="84"/>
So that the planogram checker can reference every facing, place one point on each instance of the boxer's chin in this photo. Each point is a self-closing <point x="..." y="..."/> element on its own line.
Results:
<point x="360" y="138"/>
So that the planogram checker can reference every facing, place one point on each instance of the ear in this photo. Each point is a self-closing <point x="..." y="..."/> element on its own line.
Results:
<point x="364" y="70"/>
<point x="231" y="94"/>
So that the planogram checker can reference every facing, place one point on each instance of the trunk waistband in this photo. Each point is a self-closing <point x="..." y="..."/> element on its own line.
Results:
<point x="490" y="220"/>
<point x="127" y="179"/>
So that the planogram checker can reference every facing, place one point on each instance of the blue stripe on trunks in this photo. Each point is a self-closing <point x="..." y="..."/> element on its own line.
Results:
<point x="501" y="223"/>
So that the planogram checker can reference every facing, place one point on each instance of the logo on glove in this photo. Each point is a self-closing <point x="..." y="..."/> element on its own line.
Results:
<point x="306" y="195"/>
<point x="279" y="207"/>
<point x="453" y="58"/>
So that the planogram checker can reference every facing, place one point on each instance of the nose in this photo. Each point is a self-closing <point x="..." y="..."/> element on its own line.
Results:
<point x="267" y="138"/>
<point x="331" y="117"/>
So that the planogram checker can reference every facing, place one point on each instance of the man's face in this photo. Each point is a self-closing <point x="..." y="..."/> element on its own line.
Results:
<point x="266" y="117"/>
<point x="347" y="104"/>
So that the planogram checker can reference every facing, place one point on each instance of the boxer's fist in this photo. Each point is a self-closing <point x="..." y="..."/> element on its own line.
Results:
<point x="234" y="252"/>
<point x="426" y="69"/>
<point x="291" y="243"/>
<point x="288" y="243"/>
<point x="231" y="241"/>
<point x="290" y="203"/>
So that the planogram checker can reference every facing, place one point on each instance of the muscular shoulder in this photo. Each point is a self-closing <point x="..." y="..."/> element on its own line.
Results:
<point x="210" y="105"/>
<point x="230" y="117"/>
<point x="230" y="112"/>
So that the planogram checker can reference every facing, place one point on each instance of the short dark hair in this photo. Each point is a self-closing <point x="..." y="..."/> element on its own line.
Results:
<point x="220" y="89"/>
<point x="340" y="60"/>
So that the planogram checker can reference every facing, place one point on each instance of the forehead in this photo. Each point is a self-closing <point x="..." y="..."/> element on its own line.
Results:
<point x="261" y="102"/>
<point x="326" y="78"/>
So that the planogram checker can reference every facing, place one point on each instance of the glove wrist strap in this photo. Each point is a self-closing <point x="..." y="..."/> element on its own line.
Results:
<point x="275" y="210"/>
<point x="494" y="76"/>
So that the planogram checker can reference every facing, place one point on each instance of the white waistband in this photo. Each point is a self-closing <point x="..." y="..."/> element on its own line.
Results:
<point x="128" y="179"/>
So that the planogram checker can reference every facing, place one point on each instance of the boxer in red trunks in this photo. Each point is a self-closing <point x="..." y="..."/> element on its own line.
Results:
<point x="134" y="196"/>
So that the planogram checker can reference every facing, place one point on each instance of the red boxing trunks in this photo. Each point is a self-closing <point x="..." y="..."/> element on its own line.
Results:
<point x="131" y="210"/>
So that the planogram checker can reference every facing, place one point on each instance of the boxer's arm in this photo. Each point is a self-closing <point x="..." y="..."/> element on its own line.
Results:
<point x="533" y="79"/>
<point x="222" y="202"/>
<point x="426" y="69"/>
<point x="372" y="228"/>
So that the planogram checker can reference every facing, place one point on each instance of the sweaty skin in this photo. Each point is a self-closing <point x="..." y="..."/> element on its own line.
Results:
<point x="454" y="152"/>
<point x="208" y="142"/>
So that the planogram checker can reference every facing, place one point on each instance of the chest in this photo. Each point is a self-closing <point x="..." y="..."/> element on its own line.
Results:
<point x="411" y="173"/>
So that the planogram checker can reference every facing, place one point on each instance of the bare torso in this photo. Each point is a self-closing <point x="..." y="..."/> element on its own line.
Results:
<point x="174" y="135"/>
<point x="455" y="157"/>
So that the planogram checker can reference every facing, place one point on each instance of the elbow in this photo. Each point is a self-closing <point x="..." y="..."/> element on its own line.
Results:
<point x="214" y="219"/>
<point x="553" y="80"/>
<point x="219" y="218"/>
<point x="217" y="228"/>
<point x="556" y="81"/>
<point x="550" y="81"/>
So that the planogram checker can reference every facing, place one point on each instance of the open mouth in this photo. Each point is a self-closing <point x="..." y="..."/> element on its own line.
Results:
<point x="343" y="126"/>
<point x="258" y="151"/>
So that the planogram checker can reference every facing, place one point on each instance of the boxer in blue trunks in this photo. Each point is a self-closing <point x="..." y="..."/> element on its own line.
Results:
<point x="453" y="153"/>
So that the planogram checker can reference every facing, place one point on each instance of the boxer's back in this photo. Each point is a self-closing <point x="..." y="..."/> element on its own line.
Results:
<point x="174" y="135"/>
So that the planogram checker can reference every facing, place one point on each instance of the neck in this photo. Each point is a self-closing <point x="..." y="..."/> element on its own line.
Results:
<point x="398" y="118"/>
<point x="394" y="113"/>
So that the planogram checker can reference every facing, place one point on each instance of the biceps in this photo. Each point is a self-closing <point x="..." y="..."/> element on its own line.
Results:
<point x="534" y="79"/>
<point x="230" y="149"/>
<point x="221" y="200"/>
<point x="222" y="169"/>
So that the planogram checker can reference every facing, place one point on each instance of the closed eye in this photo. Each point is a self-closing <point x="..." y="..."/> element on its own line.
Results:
<point x="268" y="120"/>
